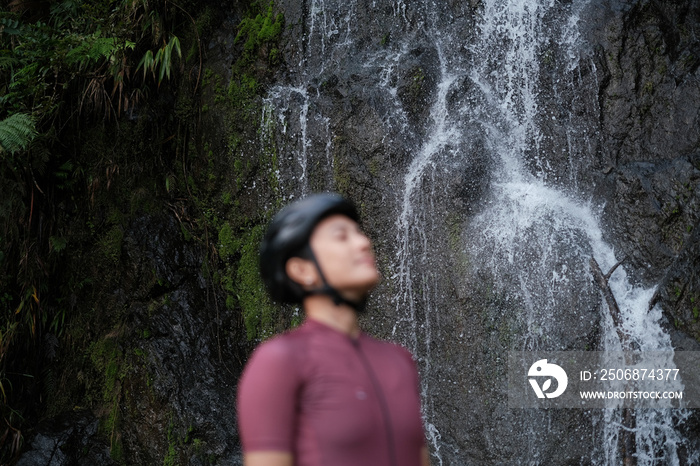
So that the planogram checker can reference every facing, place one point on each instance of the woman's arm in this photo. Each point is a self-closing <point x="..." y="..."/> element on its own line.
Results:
<point x="424" y="456"/>
<point x="268" y="458"/>
<point x="266" y="405"/>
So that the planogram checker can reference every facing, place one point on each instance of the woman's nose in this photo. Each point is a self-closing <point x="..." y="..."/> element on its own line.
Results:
<point x="363" y="240"/>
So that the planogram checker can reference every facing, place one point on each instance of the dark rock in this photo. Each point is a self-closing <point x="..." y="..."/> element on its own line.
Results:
<point x="68" y="440"/>
<point x="416" y="83"/>
<point x="679" y="290"/>
<point x="357" y="109"/>
<point x="179" y="395"/>
<point x="654" y="208"/>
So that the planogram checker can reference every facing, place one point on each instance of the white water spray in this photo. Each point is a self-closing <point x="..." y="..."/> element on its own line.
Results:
<point x="530" y="231"/>
<point x="561" y="231"/>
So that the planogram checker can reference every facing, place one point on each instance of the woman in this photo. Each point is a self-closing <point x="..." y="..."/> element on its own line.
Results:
<point x="325" y="393"/>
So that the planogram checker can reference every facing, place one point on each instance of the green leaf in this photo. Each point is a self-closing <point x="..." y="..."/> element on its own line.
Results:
<point x="17" y="132"/>
<point x="175" y="43"/>
<point x="10" y="26"/>
<point x="58" y="243"/>
<point x="147" y="63"/>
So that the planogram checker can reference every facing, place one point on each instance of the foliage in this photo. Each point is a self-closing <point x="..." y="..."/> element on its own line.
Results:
<point x="228" y="243"/>
<point x="262" y="30"/>
<point x="86" y="142"/>
<point x="162" y="60"/>
<point x="108" y="359"/>
<point x="16" y="132"/>
<point x="239" y="238"/>
<point x="260" y="33"/>
<point x="64" y="66"/>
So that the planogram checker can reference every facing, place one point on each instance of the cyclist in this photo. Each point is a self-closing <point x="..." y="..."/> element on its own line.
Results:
<point x="326" y="393"/>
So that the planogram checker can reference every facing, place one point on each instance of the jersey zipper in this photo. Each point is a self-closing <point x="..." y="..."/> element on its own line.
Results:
<point x="384" y="407"/>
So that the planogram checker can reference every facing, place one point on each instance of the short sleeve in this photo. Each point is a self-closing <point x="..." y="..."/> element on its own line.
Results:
<point x="267" y="394"/>
<point x="412" y="364"/>
<point x="415" y="381"/>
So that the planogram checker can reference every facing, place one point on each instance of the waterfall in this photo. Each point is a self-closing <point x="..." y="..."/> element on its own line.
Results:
<point x="526" y="240"/>
<point x="525" y="208"/>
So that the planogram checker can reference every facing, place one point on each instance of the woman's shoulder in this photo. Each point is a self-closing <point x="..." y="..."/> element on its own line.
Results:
<point x="390" y="347"/>
<point x="283" y="347"/>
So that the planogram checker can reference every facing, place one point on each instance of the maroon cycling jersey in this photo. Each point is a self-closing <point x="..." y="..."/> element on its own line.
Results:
<point x="330" y="399"/>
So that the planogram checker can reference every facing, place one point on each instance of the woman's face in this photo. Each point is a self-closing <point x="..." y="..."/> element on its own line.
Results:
<point x="345" y="256"/>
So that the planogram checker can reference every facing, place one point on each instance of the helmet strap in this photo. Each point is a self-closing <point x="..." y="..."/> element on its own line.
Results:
<point x="328" y="290"/>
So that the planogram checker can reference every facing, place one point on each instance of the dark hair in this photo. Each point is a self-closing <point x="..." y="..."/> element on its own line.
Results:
<point x="288" y="236"/>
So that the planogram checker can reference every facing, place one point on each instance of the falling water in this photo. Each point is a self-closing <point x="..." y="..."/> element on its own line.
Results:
<point x="526" y="208"/>
<point x="534" y="236"/>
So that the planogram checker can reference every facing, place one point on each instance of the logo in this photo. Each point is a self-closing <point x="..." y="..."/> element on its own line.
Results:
<point x="543" y="369"/>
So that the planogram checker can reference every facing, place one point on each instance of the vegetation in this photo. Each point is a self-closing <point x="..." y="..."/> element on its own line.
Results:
<point x="100" y="123"/>
<point x="239" y="237"/>
<point x="69" y="87"/>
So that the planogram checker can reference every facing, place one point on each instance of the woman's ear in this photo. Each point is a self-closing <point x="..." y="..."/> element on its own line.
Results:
<point x="301" y="271"/>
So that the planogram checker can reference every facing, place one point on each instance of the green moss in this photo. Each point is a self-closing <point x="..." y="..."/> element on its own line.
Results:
<point x="374" y="167"/>
<point x="417" y="81"/>
<point x="241" y="91"/>
<point x="170" y="458"/>
<point x="259" y="313"/>
<point x="207" y="76"/>
<point x="385" y="39"/>
<point x="230" y="302"/>
<point x="264" y="28"/>
<point x="226" y="198"/>
<point x="197" y="445"/>
<point x="677" y="291"/>
<point x="297" y="318"/>
<point x="108" y="358"/>
<point x="111" y="243"/>
<point x="228" y="243"/>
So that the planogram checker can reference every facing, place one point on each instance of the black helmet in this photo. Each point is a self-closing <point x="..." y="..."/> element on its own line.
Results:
<point x="288" y="236"/>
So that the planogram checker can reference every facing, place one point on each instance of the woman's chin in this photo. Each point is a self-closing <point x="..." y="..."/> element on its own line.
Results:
<point x="367" y="286"/>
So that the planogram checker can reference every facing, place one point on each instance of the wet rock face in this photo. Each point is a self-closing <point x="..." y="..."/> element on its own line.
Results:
<point x="67" y="440"/>
<point x="649" y="100"/>
<point x="619" y="127"/>
<point x="179" y="401"/>
<point x="174" y="355"/>
<point x="649" y="114"/>
<point x="636" y="103"/>
<point x="631" y="106"/>
<point x="648" y="170"/>
<point x="654" y="210"/>
<point x="679" y="293"/>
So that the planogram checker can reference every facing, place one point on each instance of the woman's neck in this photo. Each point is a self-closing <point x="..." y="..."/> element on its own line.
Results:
<point x="342" y="317"/>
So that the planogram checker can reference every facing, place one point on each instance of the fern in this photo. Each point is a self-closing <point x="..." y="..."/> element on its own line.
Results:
<point x="58" y="243"/>
<point x="16" y="132"/>
<point x="8" y="62"/>
<point x="91" y="51"/>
